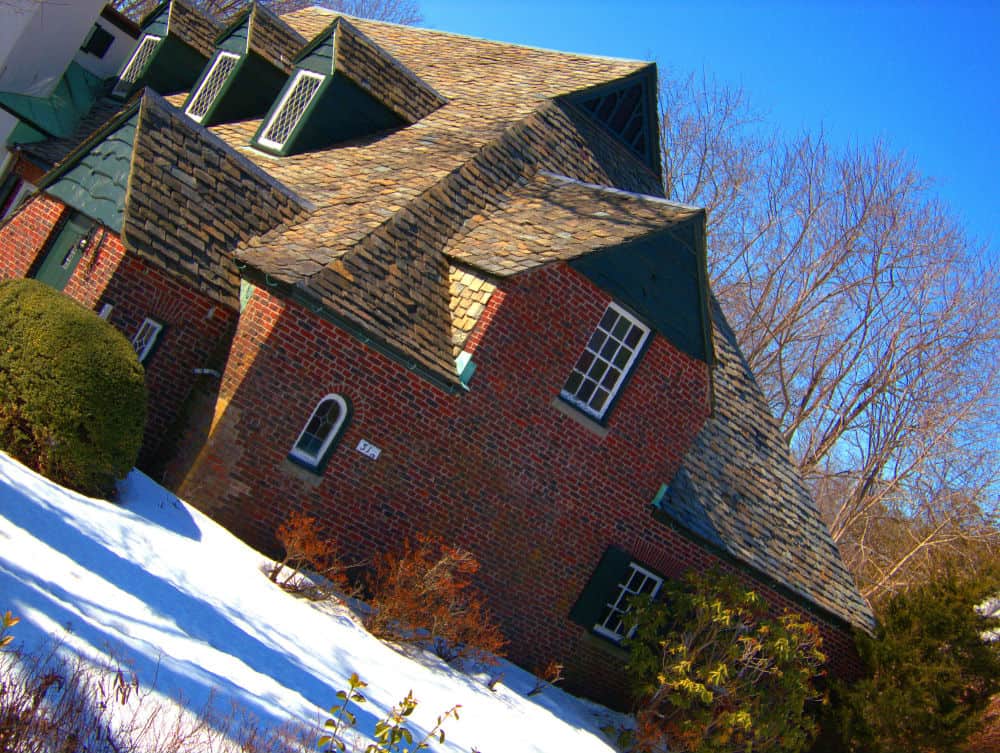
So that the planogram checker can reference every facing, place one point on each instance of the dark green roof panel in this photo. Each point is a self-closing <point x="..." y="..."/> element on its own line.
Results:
<point x="95" y="185"/>
<point x="58" y="114"/>
<point x="236" y="38"/>
<point x="661" y="278"/>
<point x="156" y="22"/>
<point x="319" y="58"/>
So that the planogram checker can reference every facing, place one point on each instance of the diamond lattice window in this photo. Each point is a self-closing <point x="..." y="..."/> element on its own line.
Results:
<point x="137" y="65"/>
<point x="606" y="361"/>
<point x="145" y="338"/>
<point x="289" y="112"/>
<point x="210" y="87"/>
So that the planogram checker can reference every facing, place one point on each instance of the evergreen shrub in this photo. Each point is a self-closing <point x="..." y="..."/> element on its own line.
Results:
<point x="715" y="672"/>
<point x="72" y="391"/>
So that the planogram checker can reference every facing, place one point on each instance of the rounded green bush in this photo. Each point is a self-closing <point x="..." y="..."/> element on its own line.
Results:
<point x="72" y="391"/>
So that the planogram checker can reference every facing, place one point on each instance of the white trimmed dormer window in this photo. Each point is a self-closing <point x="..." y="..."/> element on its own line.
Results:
<point x="322" y="428"/>
<point x="211" y="85"/>
<point x="606" y="361"/>
<point x="143" y="52"/>
<point x="289" y="111"/>
<point x="145" y="339"/>
<point x="638" y="581"/>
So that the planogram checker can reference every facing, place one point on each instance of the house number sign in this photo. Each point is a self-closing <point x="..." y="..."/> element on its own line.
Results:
<point x="368" y="449"/>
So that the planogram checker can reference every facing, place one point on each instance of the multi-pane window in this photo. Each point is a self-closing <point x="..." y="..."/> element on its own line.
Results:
<point x="600" y="371"/>
<point x="136" y="65"/>
<point x="144" y="340"/>
<point x="321" y="430"/>
<point x="224" y="65"/>
<point x="291" y="108"/>
<point x="638" y="581"/>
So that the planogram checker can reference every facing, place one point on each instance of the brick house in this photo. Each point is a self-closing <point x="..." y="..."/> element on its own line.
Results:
<point x="430" y="284"/>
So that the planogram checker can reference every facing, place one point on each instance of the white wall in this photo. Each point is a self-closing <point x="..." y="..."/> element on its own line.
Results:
<point x="38" y="39"/>
<point x="112" y="62"/>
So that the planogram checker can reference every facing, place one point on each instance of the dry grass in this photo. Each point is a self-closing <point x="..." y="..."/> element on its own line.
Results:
<point x="49" y="704"/>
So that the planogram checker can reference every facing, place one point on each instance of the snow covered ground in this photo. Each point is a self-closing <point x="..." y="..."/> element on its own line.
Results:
<point x="154" y="581"/>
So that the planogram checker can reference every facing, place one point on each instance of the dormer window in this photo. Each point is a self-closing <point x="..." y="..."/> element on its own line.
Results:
<point x="247" y="71"/>
<point x="606" y="362"/>
<point x="175" y="45"/>
<point x="223" y="67"/>
<point x="344" y="87"/>
<point x="136" y="65"/>
<point x="291" y="108"/>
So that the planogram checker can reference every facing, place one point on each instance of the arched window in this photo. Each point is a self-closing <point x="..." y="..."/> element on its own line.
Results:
<point x="324" y="426"/>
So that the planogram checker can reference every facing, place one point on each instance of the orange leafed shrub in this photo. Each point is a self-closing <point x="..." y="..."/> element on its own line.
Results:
<point x="304" y="548"/>
<point x="425" y="592"/>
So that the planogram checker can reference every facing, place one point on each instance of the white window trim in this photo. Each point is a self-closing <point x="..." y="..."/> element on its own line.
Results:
<point x="263" y="140"/>
<point x="143" y="343"/>
<point x="621" y="592"/>
<point x="205" y="82"/>
<point x="315" y="460"/>
<point x="128" y="76"/>
<point x="625" y="371"/>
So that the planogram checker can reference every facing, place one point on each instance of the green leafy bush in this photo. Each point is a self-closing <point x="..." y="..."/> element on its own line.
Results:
<point x="392" y="734"/>
<point x="72" y="391"/>
<point x="714" y="673"/>
<point x="931" y="671"/>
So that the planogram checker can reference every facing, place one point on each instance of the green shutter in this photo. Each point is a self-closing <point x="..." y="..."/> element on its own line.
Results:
<point x="611" y="570"/>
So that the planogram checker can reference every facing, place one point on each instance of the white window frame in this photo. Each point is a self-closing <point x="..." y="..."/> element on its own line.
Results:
<point x="130" y="74"/>
<point x="263" y="140"/>
<point x="315" y="459"/>
<point x="584" y="405"/>
<point x="145" y="338"/>
<point x="206" y="81"/>
<point x="619" y="606"/>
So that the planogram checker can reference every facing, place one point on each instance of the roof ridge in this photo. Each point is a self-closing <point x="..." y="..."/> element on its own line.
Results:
<point x="621" y="191"/>
<point x="456" y="35"/>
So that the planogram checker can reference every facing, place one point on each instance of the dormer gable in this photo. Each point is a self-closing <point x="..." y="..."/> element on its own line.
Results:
<point x="344" y="87"/>
<point x="252" y="60"/>
<point x="174" y="44"/>
<point x="626" y="108"/>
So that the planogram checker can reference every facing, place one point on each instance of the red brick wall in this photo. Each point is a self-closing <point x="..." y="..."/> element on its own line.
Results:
<point x="194" y="327"/>
<point x="535" y="493"/>
<point x="23" y="235"/>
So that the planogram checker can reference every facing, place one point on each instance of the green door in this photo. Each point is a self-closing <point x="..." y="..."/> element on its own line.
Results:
<point x="64" y="252"/>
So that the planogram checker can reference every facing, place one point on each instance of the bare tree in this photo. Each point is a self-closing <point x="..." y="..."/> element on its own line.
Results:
<point x="869" y="318"/>
<point x="397" y="11"/>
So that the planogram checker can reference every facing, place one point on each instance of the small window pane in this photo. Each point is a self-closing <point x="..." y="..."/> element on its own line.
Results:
<point x="621" y="328"/>
<point x="634" y="336"/>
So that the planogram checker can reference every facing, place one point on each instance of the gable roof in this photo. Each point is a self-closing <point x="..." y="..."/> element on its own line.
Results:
<point x="738" y="489"/>
<point x="267" y="35"/>
<point x="402" y="237"/>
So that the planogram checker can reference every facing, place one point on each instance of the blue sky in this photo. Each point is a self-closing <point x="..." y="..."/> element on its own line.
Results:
<point x="923" y="76"/>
